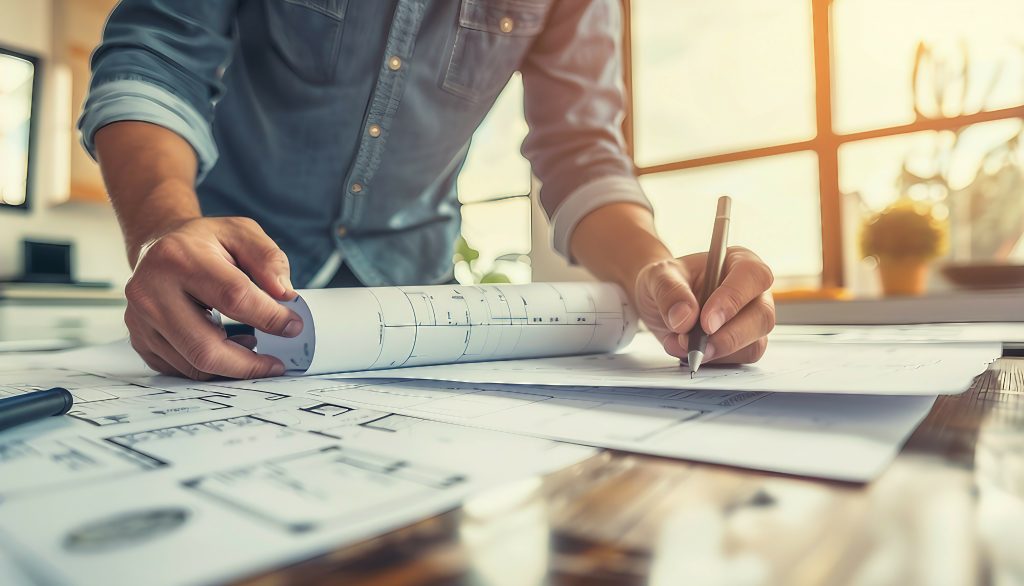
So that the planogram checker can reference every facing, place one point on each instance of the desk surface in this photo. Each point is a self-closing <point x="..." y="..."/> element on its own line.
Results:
<point x="949" y="510"/>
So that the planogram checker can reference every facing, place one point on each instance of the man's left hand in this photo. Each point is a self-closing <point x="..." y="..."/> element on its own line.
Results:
<point x="738" y="316"/>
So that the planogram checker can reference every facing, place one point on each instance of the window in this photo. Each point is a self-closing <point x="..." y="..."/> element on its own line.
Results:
<point x="17" y="91"/>
<point x="494" y="188"/>
<point x="812" y="113"/>
<point x="758" y="187"/>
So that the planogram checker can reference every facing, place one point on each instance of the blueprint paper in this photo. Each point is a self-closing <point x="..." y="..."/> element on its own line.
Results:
<point x="389" y="327"/>
<point x="840" y="437"/>
<point x="241" y="476"/>
<point x="787" y="367"/>
<point x="153" y="480"/>
<point x="1006" y="333"/>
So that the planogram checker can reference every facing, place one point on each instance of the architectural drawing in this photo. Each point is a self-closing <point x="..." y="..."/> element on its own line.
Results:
<point x="30" y="465"/>
<point x="237" y="480"/>
<point x="844" y="437"/>
<point x="154" y="470"/>
<point x="304" y="491"/>
<point x="787" y="367"/>
<point x="391" y="327"/>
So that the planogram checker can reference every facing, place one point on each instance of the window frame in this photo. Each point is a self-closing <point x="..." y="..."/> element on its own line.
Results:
<point x="33" y="128"/>
<point x="825" y="144"/>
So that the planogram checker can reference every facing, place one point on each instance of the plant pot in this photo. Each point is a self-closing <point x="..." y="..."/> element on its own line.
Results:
<point x="903" y="276"/>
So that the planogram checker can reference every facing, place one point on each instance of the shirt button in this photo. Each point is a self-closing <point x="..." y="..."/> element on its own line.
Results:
<point x="341" y="231"/>
<point x="394" y="63"/>
<point x="356" y="187"/>
<point x="506" y="25"/>
<point x="374" y="130"/>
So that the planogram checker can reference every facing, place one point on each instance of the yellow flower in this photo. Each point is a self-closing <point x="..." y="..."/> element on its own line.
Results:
<point x="906" y="229"/>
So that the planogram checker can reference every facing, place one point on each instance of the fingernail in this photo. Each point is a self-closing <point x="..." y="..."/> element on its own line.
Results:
<point x="709" y="352"/>
<point x="715" y="321"/>
<point x="292" y="328"/>
<point x="277" y="369"/>
<point x="677" y="315"/>
<point x="286" y="283"/>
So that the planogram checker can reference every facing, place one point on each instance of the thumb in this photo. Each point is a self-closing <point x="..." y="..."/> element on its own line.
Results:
<point x="669" y="287"/>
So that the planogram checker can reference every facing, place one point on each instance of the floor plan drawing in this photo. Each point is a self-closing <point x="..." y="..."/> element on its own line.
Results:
<point x="32" y="465"/>
<point x="301" y="492"/>
<point x="232" y="477"/>
<point x="853" y="436"/>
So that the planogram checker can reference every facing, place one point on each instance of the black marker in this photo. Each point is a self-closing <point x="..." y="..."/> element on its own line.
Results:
<point x="36" y="405"/>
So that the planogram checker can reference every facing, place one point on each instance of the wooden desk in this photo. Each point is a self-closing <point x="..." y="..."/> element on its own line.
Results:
<point x="950" y="510"/>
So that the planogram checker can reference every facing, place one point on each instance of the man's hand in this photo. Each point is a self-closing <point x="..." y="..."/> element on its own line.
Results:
<point x="185" y="265"/>
<point x="227" y="264"/>
<point x="617" y="242"/>
<point x="738" y="316"/>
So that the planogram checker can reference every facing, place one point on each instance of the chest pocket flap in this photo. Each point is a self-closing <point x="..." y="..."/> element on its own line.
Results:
<point x="492" y="37"/>
<point x="520" y="18"/>
<point x="307" y="35"/>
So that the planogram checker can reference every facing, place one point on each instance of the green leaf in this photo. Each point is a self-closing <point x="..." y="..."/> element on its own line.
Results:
<point x="495" y="277"/>
<point x="464" y="252"/>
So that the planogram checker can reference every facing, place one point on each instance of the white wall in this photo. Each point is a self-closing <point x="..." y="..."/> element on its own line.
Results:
<point x="27" y="26"/>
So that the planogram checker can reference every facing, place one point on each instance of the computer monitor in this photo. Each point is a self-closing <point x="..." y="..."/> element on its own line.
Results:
<point x="47" y="262"/>
<point x="19" y="94"/>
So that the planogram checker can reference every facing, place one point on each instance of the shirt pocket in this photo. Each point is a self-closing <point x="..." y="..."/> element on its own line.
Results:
<point x="491" y="38"/>
<point x="306" y="34"/>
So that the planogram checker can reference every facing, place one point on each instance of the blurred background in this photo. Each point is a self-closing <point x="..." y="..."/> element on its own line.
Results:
<point x="872" y="146"/>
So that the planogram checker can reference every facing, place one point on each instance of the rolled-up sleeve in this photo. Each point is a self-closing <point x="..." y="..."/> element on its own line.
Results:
<point x="575" y="103"/>
<point x="161" y="62"/>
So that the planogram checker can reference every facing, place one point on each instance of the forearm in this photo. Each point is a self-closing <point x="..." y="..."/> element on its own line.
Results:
<point x="150" y="174"/>
<point x="616" y="241"/>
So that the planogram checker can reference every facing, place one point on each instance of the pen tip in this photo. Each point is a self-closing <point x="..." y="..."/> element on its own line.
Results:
<point x="694" y="358"/>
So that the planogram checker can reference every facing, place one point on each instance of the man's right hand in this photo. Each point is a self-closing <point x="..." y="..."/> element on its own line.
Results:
<point x="227" y="264"/>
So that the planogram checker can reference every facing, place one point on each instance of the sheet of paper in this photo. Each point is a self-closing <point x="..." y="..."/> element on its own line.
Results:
<point x="240" y="476"/>
<point x="842" y="437"/>
<point x="390" y="327"/>
<point x="1009" y="334"/>
<point x="154" y="480"/>
<point x="787" y="367"/>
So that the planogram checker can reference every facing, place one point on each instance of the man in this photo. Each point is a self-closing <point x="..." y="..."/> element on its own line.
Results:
<point x="251" y="144"/>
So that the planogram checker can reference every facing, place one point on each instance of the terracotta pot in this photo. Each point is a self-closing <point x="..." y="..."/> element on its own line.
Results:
<point x="903" y="276"/>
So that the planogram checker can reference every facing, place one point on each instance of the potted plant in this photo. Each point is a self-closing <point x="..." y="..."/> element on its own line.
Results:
<point x="903" y="238"/>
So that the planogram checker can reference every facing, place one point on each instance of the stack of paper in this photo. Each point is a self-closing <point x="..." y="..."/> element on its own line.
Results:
<point x="237" y="476"/>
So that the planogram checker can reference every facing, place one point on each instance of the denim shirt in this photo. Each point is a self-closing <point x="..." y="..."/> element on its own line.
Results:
<point x="341" y="125"/>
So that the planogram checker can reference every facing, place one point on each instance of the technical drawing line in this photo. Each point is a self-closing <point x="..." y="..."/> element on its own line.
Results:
<point x="445" y="324"/>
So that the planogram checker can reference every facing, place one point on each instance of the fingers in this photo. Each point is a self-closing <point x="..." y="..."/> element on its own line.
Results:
<point x="163" y="348"/>
<point x="244" y="340"/>
<point x="155" y="362"/>
<point x="206" y="348"/>
<point x="668" y="286"/>
<point x="748" y="355"/>
<point x="747" y="277"/>
<point x="199" y="266"/>
<point x="157" y="352"/>
<point x="259" y="256"/>
<point x="742" y="339"/>
<point x="187" y="342"/>
<point x="673" y="343"/>
<point x="738" y="315"/>
<point x="222" y="286"/>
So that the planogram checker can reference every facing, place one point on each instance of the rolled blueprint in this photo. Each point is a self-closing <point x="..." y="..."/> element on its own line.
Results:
<point x="390" y="327"/>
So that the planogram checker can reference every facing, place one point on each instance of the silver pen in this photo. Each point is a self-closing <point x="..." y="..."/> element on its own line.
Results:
<point x="698" y="338"/>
